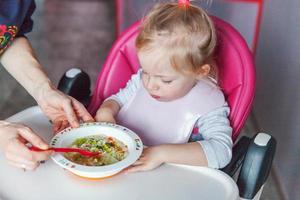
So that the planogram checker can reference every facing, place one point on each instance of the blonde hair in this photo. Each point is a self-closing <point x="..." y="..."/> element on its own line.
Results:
<point x="185" y="33"/>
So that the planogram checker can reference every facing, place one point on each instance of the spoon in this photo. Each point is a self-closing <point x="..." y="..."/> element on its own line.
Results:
<point x="66" y="150"/>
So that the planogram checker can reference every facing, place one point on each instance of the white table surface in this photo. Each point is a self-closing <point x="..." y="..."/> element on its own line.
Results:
<point x="52" y="182"/>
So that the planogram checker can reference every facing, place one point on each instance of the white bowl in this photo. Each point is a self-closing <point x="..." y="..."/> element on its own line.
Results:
<point x="67" y="136"/>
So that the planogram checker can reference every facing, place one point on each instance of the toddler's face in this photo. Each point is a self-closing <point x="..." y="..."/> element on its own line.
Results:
<point x="161" y="80"/>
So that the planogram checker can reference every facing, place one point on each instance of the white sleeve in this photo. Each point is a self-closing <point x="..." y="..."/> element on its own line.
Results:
<point x="126" y="93"/>
<point x="216" y="132"/>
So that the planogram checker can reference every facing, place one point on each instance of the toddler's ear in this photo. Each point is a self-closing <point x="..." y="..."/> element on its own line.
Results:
<point x="203" y="71"/>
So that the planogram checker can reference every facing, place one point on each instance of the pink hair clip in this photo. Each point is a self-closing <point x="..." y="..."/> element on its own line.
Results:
<point x="184" y="2"/>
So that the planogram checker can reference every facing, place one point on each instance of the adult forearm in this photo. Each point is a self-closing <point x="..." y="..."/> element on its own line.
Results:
<point x="20" y="61"/>
<point x="188" y="154"/>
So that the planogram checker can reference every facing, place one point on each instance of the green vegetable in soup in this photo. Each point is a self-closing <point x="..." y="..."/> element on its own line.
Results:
<point x="111" y="150"/>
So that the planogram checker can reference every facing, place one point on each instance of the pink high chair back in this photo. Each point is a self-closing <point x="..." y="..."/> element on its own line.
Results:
<point x="236" y="70"/>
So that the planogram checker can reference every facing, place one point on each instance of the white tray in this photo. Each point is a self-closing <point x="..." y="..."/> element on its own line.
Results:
<point x="51" y="182"/>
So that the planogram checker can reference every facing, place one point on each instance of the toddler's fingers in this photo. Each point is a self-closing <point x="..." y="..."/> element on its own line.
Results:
<point x="138" y="162"/>
<point x="136" y="168"/>
<point x="97" y="115"/>
<point x="126" y="169"/>
<point x="98" y="118"/>
<point x="113" y="121"/>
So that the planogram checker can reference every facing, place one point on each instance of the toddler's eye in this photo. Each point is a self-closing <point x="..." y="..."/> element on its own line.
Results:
<point x="167" y="81"/>
<point x="144" y="73"/>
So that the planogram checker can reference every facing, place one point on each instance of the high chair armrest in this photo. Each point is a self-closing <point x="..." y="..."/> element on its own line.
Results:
<point x="238" y="154"/>
<point x="254" y="157"/>
<point x="256" y="166"/>
<point x="76" y="83"/>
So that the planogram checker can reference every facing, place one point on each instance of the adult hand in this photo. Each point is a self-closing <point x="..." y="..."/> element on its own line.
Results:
<point x="61" y="109"/>
<point x="13" y="140"/>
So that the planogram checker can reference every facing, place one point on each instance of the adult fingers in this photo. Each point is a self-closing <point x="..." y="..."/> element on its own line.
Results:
<point x="32" y="138"/>
<point x="17" y="152"/>
<point x="60" y="125"/>
<point x="19" y="159"/>
<point x="64" y="125"/>
<point x="71" y="115"/>
<point x="82" y="112"/>
<point x="21" y="139"/>
<point x="56" y="125"/>
<point x="24" y="166"/>
<point x="41" y="156"/>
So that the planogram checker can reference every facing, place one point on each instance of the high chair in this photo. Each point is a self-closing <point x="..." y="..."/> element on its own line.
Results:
<point x="252" y="157"/>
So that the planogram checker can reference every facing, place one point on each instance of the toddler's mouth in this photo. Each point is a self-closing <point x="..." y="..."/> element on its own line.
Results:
<point x="155" y="96"/>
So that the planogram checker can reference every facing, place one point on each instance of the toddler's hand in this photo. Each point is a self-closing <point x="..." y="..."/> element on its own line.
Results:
<point x="103" y="115"/>
<point x="151" y="158"/>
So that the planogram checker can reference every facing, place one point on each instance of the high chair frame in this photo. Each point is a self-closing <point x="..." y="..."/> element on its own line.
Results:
<point x="252" y="157"/>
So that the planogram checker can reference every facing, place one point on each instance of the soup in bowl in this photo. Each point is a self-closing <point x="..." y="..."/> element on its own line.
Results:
<point x="118" y="148"/>
<point x="111" y="150"/>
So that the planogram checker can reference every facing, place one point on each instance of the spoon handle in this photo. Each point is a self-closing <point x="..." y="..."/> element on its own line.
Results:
<point x="66" y="150"/>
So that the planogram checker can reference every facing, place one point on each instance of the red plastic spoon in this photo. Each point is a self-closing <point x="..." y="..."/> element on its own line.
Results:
<point x="66" y="150"/>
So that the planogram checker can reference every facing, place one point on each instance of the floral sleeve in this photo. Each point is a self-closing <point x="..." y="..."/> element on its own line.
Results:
<point x="15" y="20"/>
<point x="7" y="33"/>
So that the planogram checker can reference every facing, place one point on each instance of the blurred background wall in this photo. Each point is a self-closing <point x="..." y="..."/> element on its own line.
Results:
<point x="244" y="15"/>
<point x="66" y="33"/>
<point x="277" y="102"/>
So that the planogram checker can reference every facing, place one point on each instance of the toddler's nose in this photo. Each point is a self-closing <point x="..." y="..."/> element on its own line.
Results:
<point x="151" y="85"/>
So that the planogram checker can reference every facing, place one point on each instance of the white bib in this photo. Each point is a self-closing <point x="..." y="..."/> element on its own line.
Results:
<point x="159" y="122"/>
